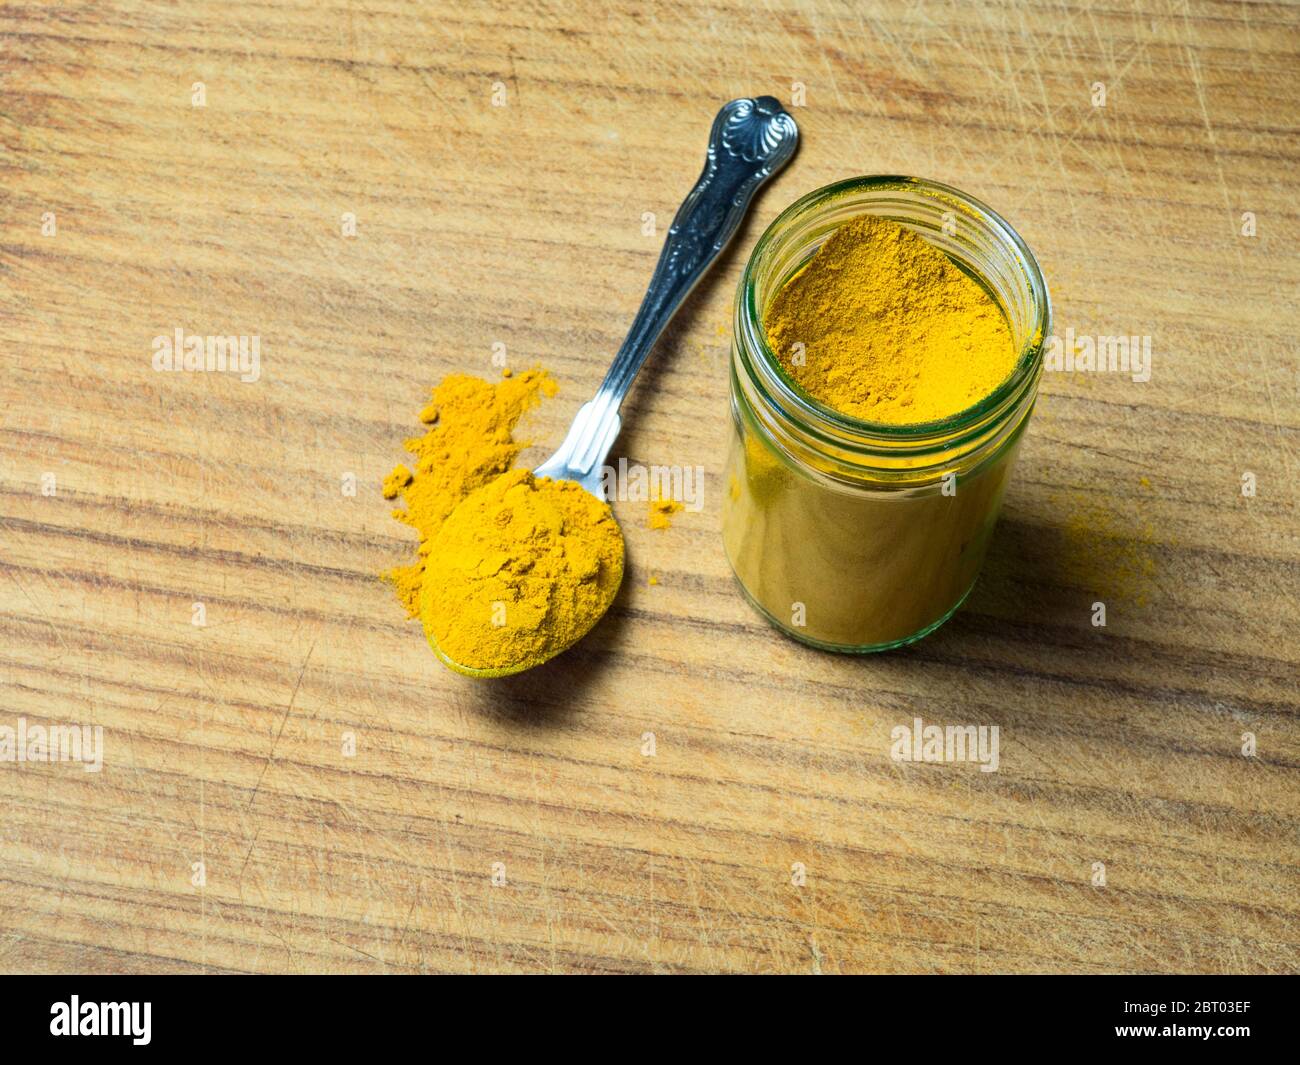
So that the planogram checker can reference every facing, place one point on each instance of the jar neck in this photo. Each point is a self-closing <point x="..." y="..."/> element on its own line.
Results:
<point x="848" y="448"/>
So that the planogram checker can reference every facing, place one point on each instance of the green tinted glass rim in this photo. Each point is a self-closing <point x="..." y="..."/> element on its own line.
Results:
<point x="1019" y="379"/>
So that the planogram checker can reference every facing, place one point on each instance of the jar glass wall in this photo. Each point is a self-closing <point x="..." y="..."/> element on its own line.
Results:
<point x="861" y="536"/>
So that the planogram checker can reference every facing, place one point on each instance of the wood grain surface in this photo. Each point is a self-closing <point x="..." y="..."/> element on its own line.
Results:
<point x="518" y="825"/>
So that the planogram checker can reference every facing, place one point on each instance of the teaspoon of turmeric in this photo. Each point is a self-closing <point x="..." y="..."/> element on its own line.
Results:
<point x="526" y="565"/>
<point x="520" y="571"/>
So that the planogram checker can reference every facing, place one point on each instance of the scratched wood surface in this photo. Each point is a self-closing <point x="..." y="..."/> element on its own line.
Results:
<point x="127" y="496"/>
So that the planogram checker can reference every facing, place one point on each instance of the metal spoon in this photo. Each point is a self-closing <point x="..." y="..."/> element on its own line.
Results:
<point x="752" y="138"/>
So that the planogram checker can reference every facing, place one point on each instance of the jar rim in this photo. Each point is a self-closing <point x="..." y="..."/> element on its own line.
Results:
<point x="1007" y="394"/>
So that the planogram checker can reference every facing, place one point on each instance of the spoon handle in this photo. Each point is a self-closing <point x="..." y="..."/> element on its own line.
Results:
<point x="752" y="138"/>
<point x="750" y="141"/>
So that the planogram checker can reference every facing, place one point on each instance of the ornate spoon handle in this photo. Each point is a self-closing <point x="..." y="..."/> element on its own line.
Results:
<point x="751" y="140"/>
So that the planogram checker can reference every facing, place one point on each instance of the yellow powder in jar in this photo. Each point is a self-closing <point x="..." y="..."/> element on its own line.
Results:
<point x="850" y="568"/>
<point x="882" y="325"/>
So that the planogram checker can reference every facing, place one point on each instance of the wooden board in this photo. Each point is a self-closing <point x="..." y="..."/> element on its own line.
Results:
<point x="128" y="495"/>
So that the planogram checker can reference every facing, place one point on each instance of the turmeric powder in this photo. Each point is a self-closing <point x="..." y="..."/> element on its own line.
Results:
<point x="661" y="511"/>
<point x="842" y="539"/>
<point x="468" y="444"/>
<point x="510" y="569"/>
<point x="519" y="572"/>
<point x="882" y="325"/>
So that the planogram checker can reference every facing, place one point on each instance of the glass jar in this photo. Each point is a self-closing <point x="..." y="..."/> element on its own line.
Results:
<point x="861" y="536"/>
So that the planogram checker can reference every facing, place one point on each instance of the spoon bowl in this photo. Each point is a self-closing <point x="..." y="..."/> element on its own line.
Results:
<point x="518" y="667"/>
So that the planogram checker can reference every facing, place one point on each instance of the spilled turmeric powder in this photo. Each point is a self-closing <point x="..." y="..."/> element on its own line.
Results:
<point x="660" y="515"/>
<point x="469" y="443"/>
<point x="882" y="325"/>
<point x="510" y="569"/>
